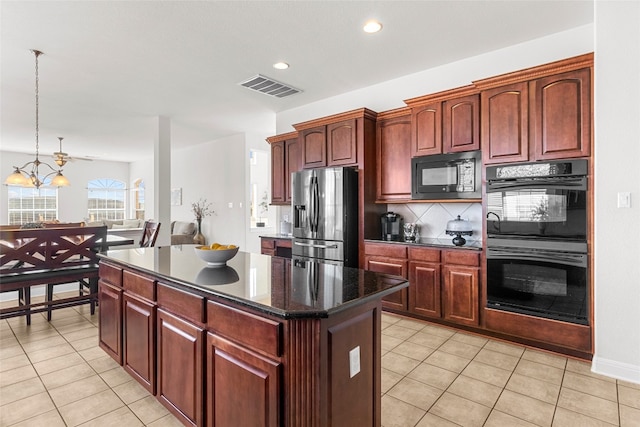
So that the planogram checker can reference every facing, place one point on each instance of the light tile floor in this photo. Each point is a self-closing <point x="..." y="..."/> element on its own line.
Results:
<point x="54" y="374"/>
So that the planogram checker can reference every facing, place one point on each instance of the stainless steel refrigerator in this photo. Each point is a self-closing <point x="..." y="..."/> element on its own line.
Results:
<point x="325" y="215"/>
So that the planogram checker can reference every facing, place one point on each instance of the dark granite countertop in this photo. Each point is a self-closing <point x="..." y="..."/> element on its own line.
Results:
<point x="306" y="289"/>
<point x="445" y="243"/>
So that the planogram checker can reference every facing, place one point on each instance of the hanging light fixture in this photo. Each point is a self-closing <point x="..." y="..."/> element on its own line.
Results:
<point x="29" y="174"/>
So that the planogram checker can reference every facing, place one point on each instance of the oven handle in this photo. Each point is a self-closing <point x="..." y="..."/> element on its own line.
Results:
<point x="565" y="258"/>
<point x="571" y="183"/>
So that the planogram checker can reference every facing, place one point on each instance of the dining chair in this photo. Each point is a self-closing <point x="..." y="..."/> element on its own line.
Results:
<point x="149" y="234"/>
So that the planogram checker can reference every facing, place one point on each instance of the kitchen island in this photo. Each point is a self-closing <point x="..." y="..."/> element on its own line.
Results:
<point x="261" y="341"/>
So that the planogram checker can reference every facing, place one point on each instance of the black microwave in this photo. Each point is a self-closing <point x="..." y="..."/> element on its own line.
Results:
<point x="446" y="176"/>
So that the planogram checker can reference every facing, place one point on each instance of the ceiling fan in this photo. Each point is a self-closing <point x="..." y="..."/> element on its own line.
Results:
<point x="61" y="158"/>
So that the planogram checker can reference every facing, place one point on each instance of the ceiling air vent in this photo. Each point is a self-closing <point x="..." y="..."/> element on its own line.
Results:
<point x="268" y="86"/>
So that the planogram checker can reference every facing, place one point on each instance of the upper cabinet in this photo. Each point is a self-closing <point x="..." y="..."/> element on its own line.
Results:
<point x="541" y="113"/>
<point x="333" y="141"/>
<point x="393" y="151"/>
<point x="445" y="122"/>
<point x="285" y="158"/>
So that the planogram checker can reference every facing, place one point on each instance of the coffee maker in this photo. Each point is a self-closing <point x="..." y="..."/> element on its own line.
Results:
<point x="391" y="226"/>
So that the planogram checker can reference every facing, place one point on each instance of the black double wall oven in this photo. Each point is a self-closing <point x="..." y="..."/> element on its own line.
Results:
<point x="537" y="259"/>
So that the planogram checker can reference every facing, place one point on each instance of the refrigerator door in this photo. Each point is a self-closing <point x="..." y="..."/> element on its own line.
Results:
<point x="318" y="204"/>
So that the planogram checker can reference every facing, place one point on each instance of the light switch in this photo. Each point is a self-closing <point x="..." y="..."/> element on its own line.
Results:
<point x="354" y="362"/>
<point x="230" y="205"/>
<point x="624" y="199"/>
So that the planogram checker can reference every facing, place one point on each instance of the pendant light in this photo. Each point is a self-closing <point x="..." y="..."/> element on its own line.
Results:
<point x="29" y="174"/>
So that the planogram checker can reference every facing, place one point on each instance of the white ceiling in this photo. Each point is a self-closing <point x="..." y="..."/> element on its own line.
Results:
<point x="111" y="67"/>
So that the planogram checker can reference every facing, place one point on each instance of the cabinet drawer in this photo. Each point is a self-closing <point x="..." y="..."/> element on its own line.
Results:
<point x="424" y="254"/>
<point x="461" y="257"/>
<point x="252" y="331"/>
<point x="110" y="274"/>
<point x="267" y="243"/>
<point x="182" y="304"/>
<point x="382" y="249"/>
<point x="141" y="286"/>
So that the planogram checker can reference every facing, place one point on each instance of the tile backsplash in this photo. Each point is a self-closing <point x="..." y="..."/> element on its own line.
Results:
<point x="433" y="217"/>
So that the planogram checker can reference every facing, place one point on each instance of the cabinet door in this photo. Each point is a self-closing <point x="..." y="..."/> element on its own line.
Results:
<point x="110" y="302"/>
<point x="267" y="246"/>
<point x="461" y="124"/>
<point x="461" y="294"/>
<point x="278" y="167"/>
<point x="505" y="123"/>
<point x="393" y="146"/>
<point x="561" y="115"/>
<point x="426" y="130"/>
<point x="243" y="388"/>
<point x="342" y="143"/>
<point x="397" y="267"/>
<point x="292" y="164"/>
<point x="425" y="294"/>
<point x="314" y="147"/>
<point x="139" y="356"/>
<point x="181" y="344"/>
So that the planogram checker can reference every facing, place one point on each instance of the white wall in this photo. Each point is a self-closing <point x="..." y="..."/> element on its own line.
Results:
<point x="617" y="269"/>
<point x="72" y="200"/>
<point x="617" y="151"/>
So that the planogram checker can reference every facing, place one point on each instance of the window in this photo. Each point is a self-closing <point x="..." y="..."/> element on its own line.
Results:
<point x="138" y="199"/>
<point x="106" y="199"/>
<point x="32" y="205"/>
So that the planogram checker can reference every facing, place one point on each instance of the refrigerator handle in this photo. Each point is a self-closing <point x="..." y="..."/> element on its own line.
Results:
<point x="313" y="204"/>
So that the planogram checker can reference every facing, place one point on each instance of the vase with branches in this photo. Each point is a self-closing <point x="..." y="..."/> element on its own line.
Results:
<point x="201" y="209"/>
<point x="264" y="208"/>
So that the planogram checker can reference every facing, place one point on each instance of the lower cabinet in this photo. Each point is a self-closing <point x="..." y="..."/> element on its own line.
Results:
<point x="443" y="284"/>
<point x="243" y="387"/>
<point x="139" y="357"/>
<point x="180" y="367"/>
<point x="388" y="259"/>
<point x="110" y="318"/>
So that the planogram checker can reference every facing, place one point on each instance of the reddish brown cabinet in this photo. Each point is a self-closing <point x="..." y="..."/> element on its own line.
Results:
<point x="393" y="148"/>
<point x="285" y="159"/>
<point x="445" y="122"/>
<point x="388" y="259"/>
<point x="424" y="277"/>
<point x="110" y="315"/>
<point x="461" y="289"/>
<point x="541" y="113"/>
<point x="332" y="144"/>
<point x="313" y="147"/>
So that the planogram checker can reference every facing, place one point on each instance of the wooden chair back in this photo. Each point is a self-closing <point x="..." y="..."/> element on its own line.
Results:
<point x="149" y="234"/>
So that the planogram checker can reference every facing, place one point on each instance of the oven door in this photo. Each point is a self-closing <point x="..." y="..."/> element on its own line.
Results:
<point x="553" y="207"/>
<point x="538" y="282"/>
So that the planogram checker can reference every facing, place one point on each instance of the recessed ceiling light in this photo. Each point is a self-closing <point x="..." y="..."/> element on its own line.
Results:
<point x="372" y="27"/>
<point x="281" y="65"/>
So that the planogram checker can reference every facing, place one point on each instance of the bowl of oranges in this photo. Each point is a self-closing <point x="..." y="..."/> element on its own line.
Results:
<point x="216" y="255"/>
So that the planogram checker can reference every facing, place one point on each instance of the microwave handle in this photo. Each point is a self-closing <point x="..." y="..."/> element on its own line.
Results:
<point x="574" y="183"/>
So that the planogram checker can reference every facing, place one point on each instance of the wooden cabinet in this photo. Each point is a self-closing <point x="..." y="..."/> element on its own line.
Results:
<point x="505" y="123"/>
<point x="243" y="387"/>
<point x="388" y="259"/>
<point x="460" y="282"/>
<point x="181" y="343"/>
<point x="285" y="159"/>
<point x="110" y="318"/>
<point x="333" y="144"/>
<point x="445" y="122"/>
<point x="393" y="148"/>
<point x="560" y="115"/>
<point x="443" y="284"/>
<point x="424" y="278"/>
<point x="541" y="113"/>
<point x="139" y="328"/>
<point x="275" y="247"/>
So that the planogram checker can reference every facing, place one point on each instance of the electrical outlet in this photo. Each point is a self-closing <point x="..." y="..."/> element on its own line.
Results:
<point x="354" y="362"/>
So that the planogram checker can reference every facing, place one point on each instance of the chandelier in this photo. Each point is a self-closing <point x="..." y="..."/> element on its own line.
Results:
<point x="29" y="175"/>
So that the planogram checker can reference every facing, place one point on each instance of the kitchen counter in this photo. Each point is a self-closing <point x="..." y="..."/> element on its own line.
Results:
<point x="434" y="242"/>
<point x="264" y="340"/>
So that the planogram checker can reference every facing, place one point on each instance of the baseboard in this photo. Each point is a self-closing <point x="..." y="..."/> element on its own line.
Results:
<point x="614" y="369"/>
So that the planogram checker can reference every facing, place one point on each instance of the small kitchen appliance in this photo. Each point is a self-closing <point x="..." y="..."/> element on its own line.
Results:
<point x="392" y="228"/>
